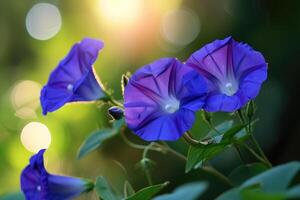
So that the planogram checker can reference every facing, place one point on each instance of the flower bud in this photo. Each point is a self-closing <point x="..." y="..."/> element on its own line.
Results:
<point x="250" y="109"/>
<point x="116" y="112"/>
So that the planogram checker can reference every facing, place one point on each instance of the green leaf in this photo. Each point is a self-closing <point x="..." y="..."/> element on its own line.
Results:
<point x="272" y="185"/>
<point x="94" y="141"/>
<point x="128" y="189"/>
<point x="190" y="191"/>
<point x="117" y="125"/>
<point x="148" y="192"/>
<point x="199" y="154"/>
<point x="104" y="190"/>
<point x="221" y="128"/>
<point x="243" y="172"/>
<point x="276" y="179"/>
<point x="259" y="195"/>
<point x="233" y="194"/>
<point x="13" y="196"/>
<point x="294" y="192"/>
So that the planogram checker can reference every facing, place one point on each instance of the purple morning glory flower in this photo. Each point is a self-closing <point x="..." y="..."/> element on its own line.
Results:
<point x="233" y="71"/>
<point x="38" y="184"/>
<point x="161" y="98"/>
<point x="74" y="79"/>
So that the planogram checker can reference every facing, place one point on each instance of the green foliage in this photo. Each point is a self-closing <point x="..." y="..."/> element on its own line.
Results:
<point x="128" y="189"/>
<point x="243" y="172"/>
<point x="96" y="139"/>
<point x="219" y="141"/>
<point x="104" y="190"/>
<point x="148" y="192"/>
<point x="13" y="196"/>
<point x="190" y="191"/>
<point x="269" y="185"/>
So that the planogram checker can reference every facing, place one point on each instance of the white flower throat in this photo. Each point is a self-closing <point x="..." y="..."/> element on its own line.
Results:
<point x="171" y="105"/>
<point x="229" y="88"/>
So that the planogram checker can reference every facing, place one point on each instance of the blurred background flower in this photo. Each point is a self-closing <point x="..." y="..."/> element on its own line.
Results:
<point x="36" y="35"/>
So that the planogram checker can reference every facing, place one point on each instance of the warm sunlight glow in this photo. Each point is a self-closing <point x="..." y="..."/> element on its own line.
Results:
<point x="121" y="11"/>
<point x="25" y="98"/>
<point x="35" y="136"/>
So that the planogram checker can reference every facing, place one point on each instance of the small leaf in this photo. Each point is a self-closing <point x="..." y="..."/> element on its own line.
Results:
<point x="94" y="141"/>
<point x="128" y="189"/>
<point x="200" y="154"/>
<point x="104" y="190"/>
<point x="243" y="172"/>
<point x="221" y="129"/>
<point x="148" y="192"/>
<point x="190" y="191"/>
<point x="228" y="135"/>
<point x="276" y="179"/>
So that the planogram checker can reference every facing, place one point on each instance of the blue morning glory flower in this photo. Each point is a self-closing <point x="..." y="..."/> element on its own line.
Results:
<point x="233" y="71"/>
<point x="74" y="79"/>
<point x="161" y="98"/>
<point x="38" y="184"/>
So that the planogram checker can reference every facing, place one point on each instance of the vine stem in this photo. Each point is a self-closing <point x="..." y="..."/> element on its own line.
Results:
<point x="207" y="169"/>
<point x="212" y="127"/>
<point x="253" y="140"/>
<point x="147" y="171"/>
<point x="154" y="146"/>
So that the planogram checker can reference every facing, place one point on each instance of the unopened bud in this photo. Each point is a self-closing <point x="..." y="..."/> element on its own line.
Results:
<point x="116" y="112"/>
<point x="250" y="109"/>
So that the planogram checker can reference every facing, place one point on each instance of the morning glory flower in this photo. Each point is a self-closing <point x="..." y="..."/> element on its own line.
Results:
<point x="161" y="98"/>
<point x="233" y="71"/>
<point x="38" y="184"/>
<point x="74" y="79"/>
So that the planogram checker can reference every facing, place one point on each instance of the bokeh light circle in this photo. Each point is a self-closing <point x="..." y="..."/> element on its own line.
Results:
<point x="25" y="98"/>
<point x="180" y="27"/>
<point x="43" y="21"/>
<point x="35" y="136"/>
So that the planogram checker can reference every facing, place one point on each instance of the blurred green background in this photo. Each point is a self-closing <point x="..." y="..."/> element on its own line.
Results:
<point x="135" y="33"/>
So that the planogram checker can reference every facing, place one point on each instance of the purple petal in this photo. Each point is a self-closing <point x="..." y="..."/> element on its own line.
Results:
<point x="161" y="98"/>
<point x="74" y="78"/>
<point x="233" y="71"/>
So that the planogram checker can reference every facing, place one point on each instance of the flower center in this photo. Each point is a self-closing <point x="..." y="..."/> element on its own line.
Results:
<point x="229" y="88"/>
<point x="70" y="87"/>
<point x="38" y="188"/>
<point x="172" y="105"/>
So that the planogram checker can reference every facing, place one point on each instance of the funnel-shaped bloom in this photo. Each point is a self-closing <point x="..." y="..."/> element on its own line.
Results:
<point x="38" y="184"/>
<point x="74" y="78"/>
<point x="161" y="99"/>
<point x="233" y="71"/>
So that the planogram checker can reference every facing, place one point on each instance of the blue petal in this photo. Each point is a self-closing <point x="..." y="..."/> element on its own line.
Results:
<point x="74" y="78"/>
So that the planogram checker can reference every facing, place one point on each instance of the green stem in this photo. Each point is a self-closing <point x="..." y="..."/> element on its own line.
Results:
<point x="146" y="169"/>
<point x="136" y="146"/>
<point x="210" y="170"/>
<point x="189" y="138"/>
<point x="257" y="156"/>
<point x="167" y="148"/>
<point x="218" y="174"/>
<point x="239" y="153"/>
<point x="253" y="140"/>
